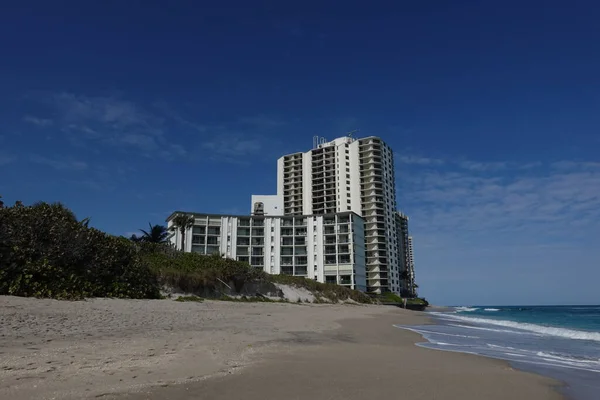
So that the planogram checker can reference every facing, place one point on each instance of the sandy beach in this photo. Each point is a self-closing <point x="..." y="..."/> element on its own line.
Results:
<point x="163" y="349"/>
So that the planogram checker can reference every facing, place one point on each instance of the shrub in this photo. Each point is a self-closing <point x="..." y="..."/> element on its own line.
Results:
<point x="189" y="298"/>
<point x="417" y="302"/>
<point x="46" y="252"/>
<point x="391" y="297"/>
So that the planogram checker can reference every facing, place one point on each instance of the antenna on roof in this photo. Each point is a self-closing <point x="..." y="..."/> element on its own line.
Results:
<point x="352" y="133"/>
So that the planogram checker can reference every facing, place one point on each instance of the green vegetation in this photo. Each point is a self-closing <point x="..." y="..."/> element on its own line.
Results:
<point x="391" y="297"/>
<point x="195" y="273"/>
<point x="417" y="302"/>
<point x="189" y="298"/>
<point x="156" y="234"/>
<point x="46" y="252"/>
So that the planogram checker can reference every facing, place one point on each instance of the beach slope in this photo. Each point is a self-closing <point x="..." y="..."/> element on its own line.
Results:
<point x="135" y="349"/>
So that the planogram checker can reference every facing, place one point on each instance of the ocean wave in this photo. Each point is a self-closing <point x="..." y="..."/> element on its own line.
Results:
<point x="423" y="331"/>
<point x="563" y="357"/>
<point x="491" y="309"/>
<point x="540" y="329"/>
<point x="481" y="328"/>
<point x="466" y="309"/>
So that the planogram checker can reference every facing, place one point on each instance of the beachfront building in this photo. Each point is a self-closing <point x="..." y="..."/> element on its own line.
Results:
<point x="345" y="175"/>
<point x="326" y="247"/>
<point x="404" y="243"/>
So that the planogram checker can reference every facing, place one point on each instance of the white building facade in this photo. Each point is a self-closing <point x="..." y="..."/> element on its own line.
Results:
<point x="328" y="248"/>
<point x="346" y="175"/>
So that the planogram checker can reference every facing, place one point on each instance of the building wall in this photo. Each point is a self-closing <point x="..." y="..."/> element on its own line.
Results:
<point x="293" y="245"/>
<point x="272" y="204"/>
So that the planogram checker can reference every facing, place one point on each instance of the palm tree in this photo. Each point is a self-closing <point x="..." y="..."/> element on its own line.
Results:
<point x="156" y="234"/>
<point x="182" y="223"/>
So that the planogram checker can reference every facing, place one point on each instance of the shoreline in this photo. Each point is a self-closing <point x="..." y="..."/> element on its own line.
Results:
<point x="139" y="349"/>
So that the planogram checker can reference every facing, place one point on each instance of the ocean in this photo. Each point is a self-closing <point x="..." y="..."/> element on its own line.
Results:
<point x="561" y="342"/>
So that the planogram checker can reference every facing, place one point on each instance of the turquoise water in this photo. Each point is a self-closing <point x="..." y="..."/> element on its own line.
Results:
<point x="562" y="342"/>
<point x="579" y="318"/>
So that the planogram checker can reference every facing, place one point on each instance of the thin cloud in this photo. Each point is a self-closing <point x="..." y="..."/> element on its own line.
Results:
<point x="41" y="122"/>
<point x="232" y="148"/>
<point x="263" y="122"/>
<point x="58" y="164"/>
<point x="416" y="160"/>
<point x="107" y="120"/>
<point x="483" y="166"/>
<point x="497" y="202"/>
<point x="6" y="159"/>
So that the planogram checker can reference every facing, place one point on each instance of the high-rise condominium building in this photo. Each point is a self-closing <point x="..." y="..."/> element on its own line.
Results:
<point x="406" y="256"/>
<point x="345" y="175"/>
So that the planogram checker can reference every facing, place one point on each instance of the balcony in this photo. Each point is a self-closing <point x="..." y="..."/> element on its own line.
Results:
<point x="242" y="241"/>
<point x="330" y="250"/>
<point x="214" y="240"/>
<point x="346" y="280"/>
<point x="214" y="231"/>
<point x="243" y="231"/>
<point x="344" y="249"/>
<point x="258" y="232"/>
<point x="198" y="239"/>
<point x="300" y="232"/>
<point x="301" y="270"/>
<point x="330" y="260"/>
<point x="257" y="261"/>
<point x="343" y="239"/>
<point x="301" y="260"/>
<point x="212" y="250"/>
<point x="200" y="230"/>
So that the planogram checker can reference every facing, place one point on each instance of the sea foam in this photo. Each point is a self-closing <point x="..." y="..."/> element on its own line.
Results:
<point x="543" y="330"/>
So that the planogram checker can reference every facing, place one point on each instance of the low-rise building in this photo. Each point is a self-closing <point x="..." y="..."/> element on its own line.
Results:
<point x="327" y="247"/>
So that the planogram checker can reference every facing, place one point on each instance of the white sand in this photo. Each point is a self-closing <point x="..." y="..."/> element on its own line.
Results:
<point x="59" y="350"/>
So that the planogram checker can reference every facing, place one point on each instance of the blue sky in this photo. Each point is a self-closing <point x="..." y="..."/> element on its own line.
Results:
<point x="126" y="113"/>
